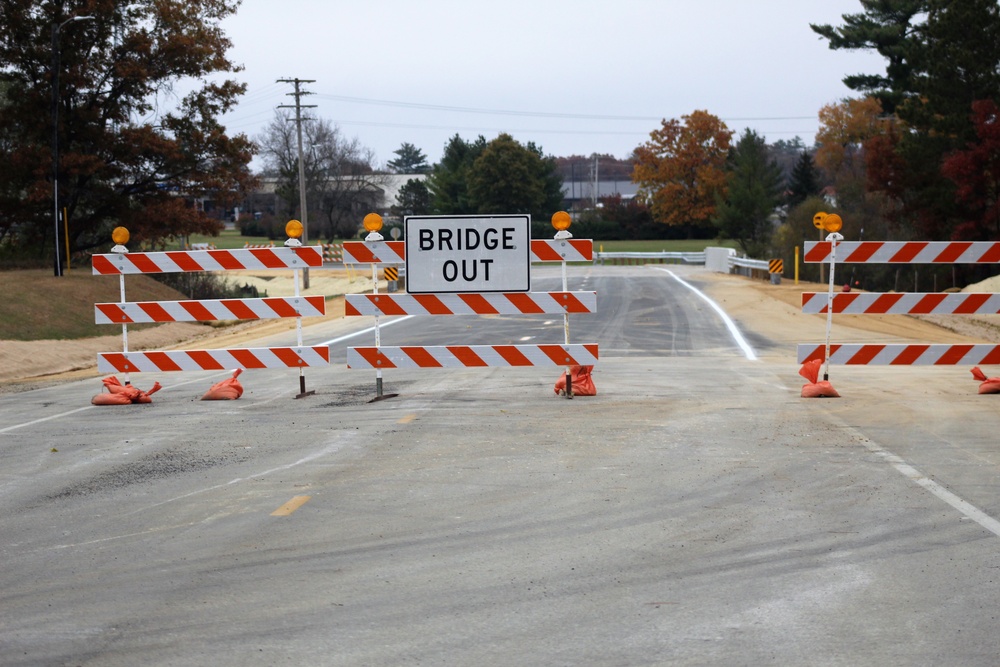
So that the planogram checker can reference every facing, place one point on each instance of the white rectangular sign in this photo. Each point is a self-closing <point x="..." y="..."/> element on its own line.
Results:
<point x="485" y="253"/>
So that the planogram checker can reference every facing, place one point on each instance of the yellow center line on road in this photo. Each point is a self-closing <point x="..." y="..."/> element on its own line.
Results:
<point x="291" y="506"/>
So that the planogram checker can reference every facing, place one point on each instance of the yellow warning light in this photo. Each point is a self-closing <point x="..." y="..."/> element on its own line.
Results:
<point x="561" y="221"/>
<point x="120" y="235"/>
<point x="832" y="223"/>
<point x="294" y="229"/>
<point x="818" y="220"/>
<point x="373" y="222"/>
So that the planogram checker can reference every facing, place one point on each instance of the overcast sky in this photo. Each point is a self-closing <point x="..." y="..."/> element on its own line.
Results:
<point x="574" y="76"/>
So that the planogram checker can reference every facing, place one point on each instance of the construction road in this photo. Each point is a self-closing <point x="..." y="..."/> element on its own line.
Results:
<point x="696" y="511"/>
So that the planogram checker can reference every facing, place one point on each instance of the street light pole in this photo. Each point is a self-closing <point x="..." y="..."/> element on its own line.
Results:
<point x="56" y="27"/>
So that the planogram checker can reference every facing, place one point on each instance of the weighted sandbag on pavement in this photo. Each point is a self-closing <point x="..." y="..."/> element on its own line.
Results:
<point x="123" y="394"/>
<point x="989" y="385"/>
<point x="228" y="390"/>
<point x="583" y="381"/>
<point x="816" y="388"/>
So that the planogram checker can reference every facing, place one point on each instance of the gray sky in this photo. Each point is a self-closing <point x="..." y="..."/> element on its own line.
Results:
<point x="574" y="76"/>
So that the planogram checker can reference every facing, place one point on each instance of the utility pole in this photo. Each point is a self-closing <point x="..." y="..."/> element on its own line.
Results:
<point x="56" y="28"/>
<point x="597" y="180"/>
<point x="302" y="170"/>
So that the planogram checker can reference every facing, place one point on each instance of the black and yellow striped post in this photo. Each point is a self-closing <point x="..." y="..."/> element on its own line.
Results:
<point x="775" y="267"/>
<point x="391" y="276"/>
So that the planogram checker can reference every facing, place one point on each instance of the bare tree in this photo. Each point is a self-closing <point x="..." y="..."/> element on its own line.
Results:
<point x="342" y="182"/>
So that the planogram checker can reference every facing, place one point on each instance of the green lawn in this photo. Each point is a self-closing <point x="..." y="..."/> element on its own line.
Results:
<point x="227" y="240"/>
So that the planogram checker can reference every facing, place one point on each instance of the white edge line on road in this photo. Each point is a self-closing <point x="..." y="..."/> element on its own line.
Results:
<point x="733" y="329"/>
<point x="45" y="419"/>
<point x="917" y="477"/>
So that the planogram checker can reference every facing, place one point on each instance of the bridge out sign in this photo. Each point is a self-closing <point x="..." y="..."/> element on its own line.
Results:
<point x="486" y="253"/>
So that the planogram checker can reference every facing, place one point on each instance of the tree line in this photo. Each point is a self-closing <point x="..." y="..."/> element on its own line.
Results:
<point x="915" y="154"/>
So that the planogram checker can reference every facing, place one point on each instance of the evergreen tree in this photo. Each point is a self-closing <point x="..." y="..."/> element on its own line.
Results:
<point x="501" y="176"/>
<point x="804" y="181"/>
<point x="448" y="183"/>
<point x="409" y="160"/>
<point x="753" y="192"/>
<point x="890" y="28"/>
<point x="509" y="177"/>
<point x="413" y="199"/>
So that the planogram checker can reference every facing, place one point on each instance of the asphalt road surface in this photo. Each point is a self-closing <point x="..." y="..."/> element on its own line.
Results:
<point x="696" y="511"/>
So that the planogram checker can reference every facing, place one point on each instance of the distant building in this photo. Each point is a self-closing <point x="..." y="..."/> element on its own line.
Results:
<point x="372" y="193"/>
<point x="579" y="195"/>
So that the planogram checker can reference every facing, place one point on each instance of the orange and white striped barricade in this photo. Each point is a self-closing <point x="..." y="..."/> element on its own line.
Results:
<point x="905" y="252"/>
<point x="503" y="303"/>
<point x="903" y="303"/>
<point x="472" y="356"/>
<point x="121" y="263"/>
<point x="214" y="360"/>
<point x="258" y="245"/>
<point x="209" y="310"/>
<point x="332" y="252"/>
<point x="902" y="354"/>
<point x="179" y="261"/>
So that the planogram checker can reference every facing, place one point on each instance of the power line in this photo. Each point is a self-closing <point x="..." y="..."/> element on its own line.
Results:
<point x="534" y="114"/>
<point x="456" y="128"/>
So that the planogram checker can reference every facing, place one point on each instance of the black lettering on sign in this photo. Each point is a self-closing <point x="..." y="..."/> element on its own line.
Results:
<point x="468" y="238"/>
<point x="470" y="269"/>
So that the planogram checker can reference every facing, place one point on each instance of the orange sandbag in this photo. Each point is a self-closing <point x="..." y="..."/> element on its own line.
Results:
<point x="143" y="396"/>
<point x="989" y="385"/>
<point x="228" y="390"/>
<point x="816" y="388"/>
<point x="115" y="387"/>
<point x="123" y="394"/>
<point x="110" y="398"/>
<point x="583" y="382"/>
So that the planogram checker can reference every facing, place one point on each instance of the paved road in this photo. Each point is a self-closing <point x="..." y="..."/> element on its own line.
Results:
<point x="696" y="511"/>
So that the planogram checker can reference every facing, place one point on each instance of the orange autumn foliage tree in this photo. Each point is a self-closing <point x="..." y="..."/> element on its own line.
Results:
<point x="142" y="89"/>
<point x="682" y="168"/>
<point x="844" y="129"/>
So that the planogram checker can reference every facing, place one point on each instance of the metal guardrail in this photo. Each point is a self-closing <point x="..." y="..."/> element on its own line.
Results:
<point x="747" y="263"/>
<point x="685" y="257"/>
